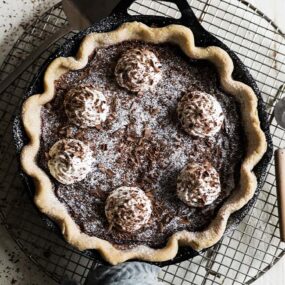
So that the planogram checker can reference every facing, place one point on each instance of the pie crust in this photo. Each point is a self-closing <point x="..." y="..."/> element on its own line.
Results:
<point x="256" y="144"/>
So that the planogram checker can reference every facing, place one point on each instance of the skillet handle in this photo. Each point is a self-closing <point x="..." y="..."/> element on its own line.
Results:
<point x="188" y="18"/>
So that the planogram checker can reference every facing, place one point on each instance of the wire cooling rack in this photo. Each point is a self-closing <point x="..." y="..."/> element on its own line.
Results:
<point x="240" y="258"/>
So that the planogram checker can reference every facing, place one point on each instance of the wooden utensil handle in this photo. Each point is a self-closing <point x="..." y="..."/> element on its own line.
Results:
<point x="280" y="179"/>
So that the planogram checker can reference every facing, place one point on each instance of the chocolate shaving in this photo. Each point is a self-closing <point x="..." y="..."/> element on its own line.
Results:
<point x="102" y="168"/>
<point x="47" y="155"/>
<point x="110" y="173"/>
<point x="104" y="147"/>
<point x="147" y="133"/>
<point x="131" y="139"/>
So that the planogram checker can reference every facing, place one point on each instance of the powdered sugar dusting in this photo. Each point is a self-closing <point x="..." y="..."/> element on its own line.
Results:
<point x="142" y="144"/>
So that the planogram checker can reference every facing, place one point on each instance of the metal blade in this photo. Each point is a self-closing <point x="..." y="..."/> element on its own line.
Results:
<point x="82" y="13"/>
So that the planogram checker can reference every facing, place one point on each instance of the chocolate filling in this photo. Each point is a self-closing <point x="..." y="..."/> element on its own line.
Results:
<point x="142" y="144"/>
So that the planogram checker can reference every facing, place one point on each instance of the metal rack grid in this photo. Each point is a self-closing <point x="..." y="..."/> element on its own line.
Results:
<point x="241" y="257"/>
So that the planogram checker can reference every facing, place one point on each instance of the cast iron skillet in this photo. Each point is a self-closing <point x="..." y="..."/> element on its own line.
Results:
<point x="202" y="39"/>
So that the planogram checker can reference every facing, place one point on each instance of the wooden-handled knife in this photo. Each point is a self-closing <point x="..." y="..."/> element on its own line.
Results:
<point x="280" y="180"/>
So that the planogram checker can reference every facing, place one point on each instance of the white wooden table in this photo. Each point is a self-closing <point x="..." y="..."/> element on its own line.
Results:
<point x="275" y="10"/>
<point x="15" y="268"/>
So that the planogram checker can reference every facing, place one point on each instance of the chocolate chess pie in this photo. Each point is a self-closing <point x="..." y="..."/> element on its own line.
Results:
<point x="142" y="143"/>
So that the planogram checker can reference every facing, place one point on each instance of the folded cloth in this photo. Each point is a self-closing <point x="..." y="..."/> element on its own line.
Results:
<point x="129" y="273"/>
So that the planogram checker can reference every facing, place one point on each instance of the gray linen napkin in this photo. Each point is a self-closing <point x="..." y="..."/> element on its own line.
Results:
<point x="129" y="273"/>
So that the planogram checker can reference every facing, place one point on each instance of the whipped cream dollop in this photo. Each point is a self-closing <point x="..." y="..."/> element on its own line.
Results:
<point x="138" y="70"/>
<point x="200" y="114"/>
<point x="85" y="106"/>
<point x="69" y="161"/>
<point x="128" y="208"/>
<point x="198" y="184"/>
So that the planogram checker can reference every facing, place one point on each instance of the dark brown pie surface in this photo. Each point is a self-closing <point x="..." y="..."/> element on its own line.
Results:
<point x="142" y="144"/>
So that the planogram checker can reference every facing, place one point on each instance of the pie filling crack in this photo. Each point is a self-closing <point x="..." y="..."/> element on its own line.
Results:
<point x="142" y="143"/>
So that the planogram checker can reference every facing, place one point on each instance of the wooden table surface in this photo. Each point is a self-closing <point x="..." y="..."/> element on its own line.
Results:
<point x="15" y="268"/>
